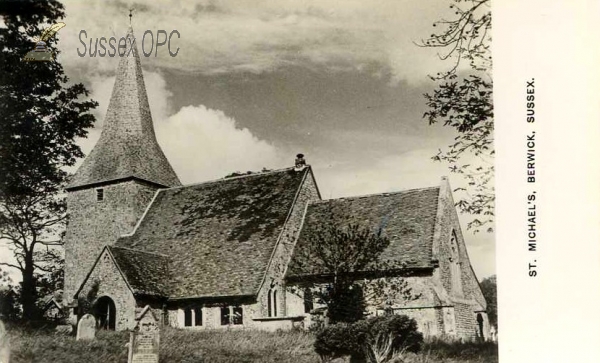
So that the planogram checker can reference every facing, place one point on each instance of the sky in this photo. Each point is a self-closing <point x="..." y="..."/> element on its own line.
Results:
<point x="256" y="82"/>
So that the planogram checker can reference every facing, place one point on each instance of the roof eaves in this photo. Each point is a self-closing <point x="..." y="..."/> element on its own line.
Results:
<point x="406" y="271"/>
<point x="113" y="181"/>
<point x="206" y="297"/>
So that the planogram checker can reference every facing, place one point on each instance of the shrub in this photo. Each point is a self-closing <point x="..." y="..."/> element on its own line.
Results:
<point x="404" y="329"/>
<point x="336" y="340"/>
<point x="343" y="339"/>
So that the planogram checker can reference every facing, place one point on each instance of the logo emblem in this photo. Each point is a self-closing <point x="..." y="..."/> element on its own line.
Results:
<point x="41" y="52"/>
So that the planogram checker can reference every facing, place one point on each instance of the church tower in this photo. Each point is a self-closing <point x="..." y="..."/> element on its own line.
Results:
<point x="118" y="179"/>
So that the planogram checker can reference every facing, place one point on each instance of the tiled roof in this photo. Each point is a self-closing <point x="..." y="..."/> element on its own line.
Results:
<point x="219" y="235"/>
<point x="146" y="273"/>
<point x="407" y="218"/>
<point x="127" y="147"/>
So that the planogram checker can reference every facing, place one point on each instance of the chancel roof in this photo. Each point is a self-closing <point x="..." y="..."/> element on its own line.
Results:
<point x="219" y="236"/>
<point x="406" y="218"/>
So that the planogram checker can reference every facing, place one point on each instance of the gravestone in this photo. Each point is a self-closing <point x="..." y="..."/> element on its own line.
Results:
<point x="145" y="338"/>
<point x="86" y="328"/>
<point x="4" y="345"/>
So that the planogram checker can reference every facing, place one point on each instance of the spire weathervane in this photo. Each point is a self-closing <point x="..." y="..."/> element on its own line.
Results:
<point x="131" y="14"/>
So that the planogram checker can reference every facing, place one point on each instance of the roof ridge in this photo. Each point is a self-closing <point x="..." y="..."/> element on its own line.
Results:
<point x="384" y="194"/>
<point x="258" y="173"/>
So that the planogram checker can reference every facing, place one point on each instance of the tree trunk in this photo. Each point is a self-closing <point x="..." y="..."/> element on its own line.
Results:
<point x="28" y="291"/>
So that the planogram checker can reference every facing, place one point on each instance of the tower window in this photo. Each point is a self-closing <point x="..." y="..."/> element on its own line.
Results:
<point x="99" y="194"/>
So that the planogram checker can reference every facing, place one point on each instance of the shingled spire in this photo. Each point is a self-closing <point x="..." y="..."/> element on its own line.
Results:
<point x="127" y="148"/>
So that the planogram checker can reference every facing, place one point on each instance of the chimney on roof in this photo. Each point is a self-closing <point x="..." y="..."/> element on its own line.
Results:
<point x="300" y="162"/>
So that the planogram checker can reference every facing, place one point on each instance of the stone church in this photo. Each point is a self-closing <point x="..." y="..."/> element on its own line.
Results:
<point x="219" y="254"/>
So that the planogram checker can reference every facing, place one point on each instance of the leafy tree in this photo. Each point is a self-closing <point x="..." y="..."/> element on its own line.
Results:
<point x="488" y="287"/>
<point x="41" y="115"/>
<point x="462" y="100"/>
<point x="5" y="279"/>
<point x="341" y="258"/>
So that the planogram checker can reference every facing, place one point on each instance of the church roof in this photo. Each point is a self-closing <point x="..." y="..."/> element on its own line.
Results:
<point x="146" y="273"/>
<point x="407" y="218"/>
<point x="127" y="147"/>
<point x="219" y="235"/>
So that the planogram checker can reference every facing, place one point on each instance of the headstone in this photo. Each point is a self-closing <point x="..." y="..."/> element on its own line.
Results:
<point x="4" y="345"/>
<point x="145" y="338"/>
<point x="86" y="328"/>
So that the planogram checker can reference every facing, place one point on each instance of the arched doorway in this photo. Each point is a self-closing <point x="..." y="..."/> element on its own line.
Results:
<point x="105" y="313"/>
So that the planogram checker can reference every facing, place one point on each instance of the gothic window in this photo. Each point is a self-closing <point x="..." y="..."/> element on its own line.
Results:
<point x="100" y="194"/>
<point x="272" y="303"/>
<point x="455" y="270"/>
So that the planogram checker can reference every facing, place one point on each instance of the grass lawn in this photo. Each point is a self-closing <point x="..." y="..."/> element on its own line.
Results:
<point x="228" y="346"/>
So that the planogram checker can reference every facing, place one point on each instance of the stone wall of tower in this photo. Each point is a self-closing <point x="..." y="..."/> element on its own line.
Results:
<point x="94" y="224"/>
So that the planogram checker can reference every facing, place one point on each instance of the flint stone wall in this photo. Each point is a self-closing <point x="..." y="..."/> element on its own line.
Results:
<point x="110" y="283"/>
<point x="93" y="224"/>
<point x="465" y="306"/>
<point x="283" y="251"/>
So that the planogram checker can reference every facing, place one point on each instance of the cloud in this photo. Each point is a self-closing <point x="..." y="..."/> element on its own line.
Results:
<point x="413" y="169"/>
<point x="231" y="36"/>
<point x="201" y="143"/>
<point x="101" y="86"/>
<point x="204" y="144"/>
